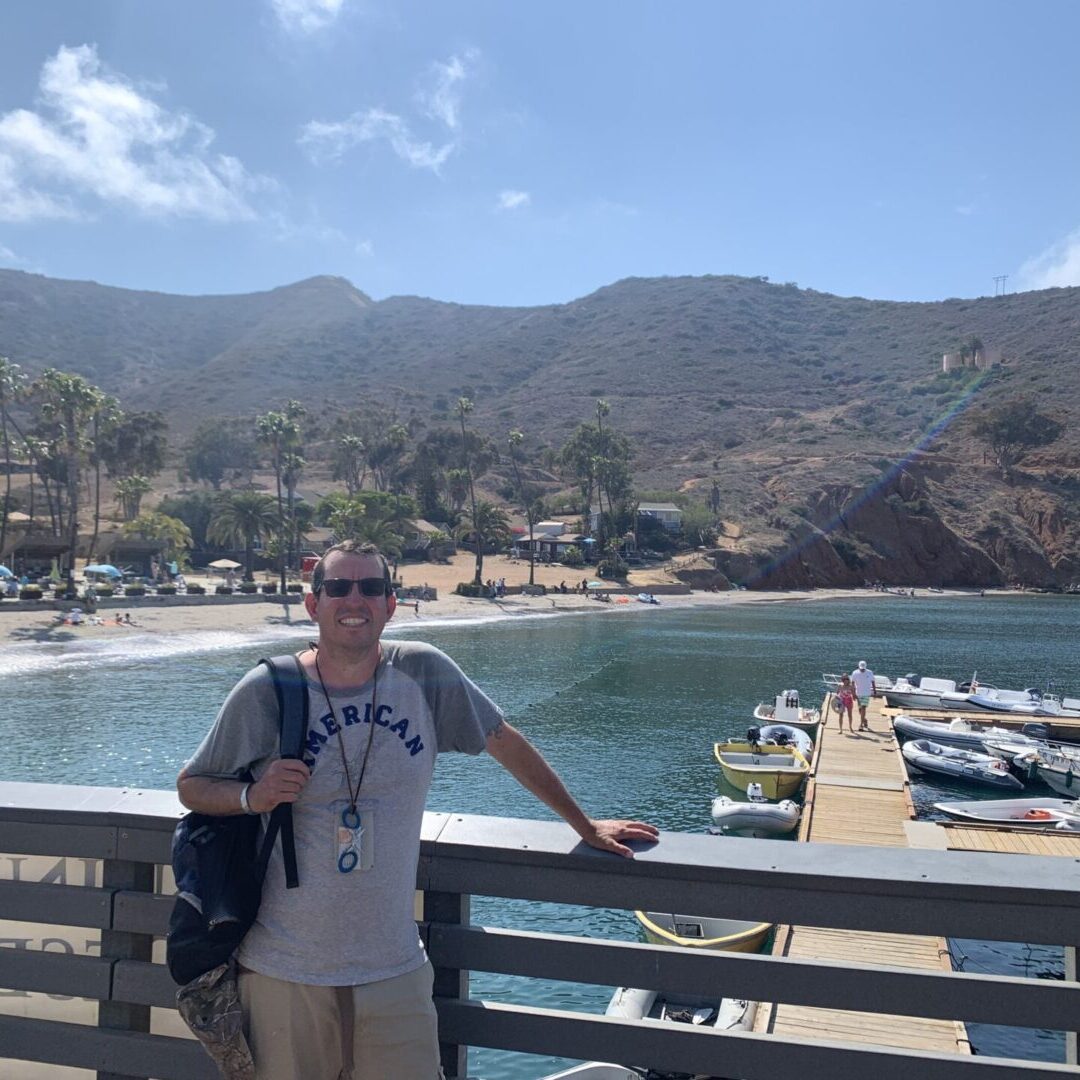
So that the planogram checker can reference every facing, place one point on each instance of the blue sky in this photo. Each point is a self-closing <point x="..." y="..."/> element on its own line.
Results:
<point x="525" y="153"/>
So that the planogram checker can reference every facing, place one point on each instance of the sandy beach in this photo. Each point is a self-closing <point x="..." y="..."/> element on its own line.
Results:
<point x="269" y="615"/>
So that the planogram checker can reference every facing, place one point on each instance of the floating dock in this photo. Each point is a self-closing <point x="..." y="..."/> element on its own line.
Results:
<point x="1062" y="728"/>
<point x="858" y="794"/>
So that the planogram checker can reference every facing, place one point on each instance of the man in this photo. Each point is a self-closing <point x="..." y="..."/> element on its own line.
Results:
<point x="333" y="978"/>
<point x="863" y="679"/>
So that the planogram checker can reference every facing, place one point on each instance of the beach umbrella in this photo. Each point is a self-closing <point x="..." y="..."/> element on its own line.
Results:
<point x="225" y="564"/>
<point x="102" y="568"/>
<point x="5" y="572"/>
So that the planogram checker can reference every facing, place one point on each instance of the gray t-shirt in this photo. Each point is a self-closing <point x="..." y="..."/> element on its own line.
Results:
<point x="342" y="929"/>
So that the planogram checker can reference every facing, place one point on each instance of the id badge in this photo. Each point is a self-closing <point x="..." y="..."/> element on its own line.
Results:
<point x="354" y="836"/>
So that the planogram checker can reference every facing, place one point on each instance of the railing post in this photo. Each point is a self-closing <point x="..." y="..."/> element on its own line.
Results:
<point x="452" y="908"/>
<point x="1070" y="976"/>
<point x="121" y="945"/>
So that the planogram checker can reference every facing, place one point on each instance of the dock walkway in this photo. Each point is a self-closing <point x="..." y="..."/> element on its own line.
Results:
<point x="858" y="794"/>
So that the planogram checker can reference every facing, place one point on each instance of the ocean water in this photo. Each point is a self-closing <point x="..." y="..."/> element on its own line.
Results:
<point x="625" y="705"/>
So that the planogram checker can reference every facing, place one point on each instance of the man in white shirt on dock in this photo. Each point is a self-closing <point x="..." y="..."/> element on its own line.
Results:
<point x="863" y="678"/>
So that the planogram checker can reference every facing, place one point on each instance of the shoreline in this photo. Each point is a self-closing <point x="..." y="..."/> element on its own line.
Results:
<point x="269" y="620"/>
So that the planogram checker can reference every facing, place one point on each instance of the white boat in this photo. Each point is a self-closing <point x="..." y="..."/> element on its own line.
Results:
<point x="967" y="734"/>
<point x="1061" y="773"/>
<point x="957" y="764"/>
<point x="1016" y="813"/>
<point x="722" y="1014"/>
<point x="910" y="692"/>
<point x="703" y="932"/>
<point x="757" y="817"/>
<point x="596" y="1070"/>
<point x="787" y="710"/>
<point x="785" y="735"/>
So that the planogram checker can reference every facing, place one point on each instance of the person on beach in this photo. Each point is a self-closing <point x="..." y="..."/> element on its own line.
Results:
<point x="862" y="679"/>
<point x="333" y="978"/>
<point x="845" y="698"/>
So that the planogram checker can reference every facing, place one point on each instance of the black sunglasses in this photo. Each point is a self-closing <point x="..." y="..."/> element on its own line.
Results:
<point x="337" y="587"/>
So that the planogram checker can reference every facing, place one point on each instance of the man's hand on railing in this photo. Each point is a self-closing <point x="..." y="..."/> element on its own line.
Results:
<point x="606" y="835"/>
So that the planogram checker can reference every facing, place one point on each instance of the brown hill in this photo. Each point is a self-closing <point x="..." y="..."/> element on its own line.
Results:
<point x="835" y="441"/>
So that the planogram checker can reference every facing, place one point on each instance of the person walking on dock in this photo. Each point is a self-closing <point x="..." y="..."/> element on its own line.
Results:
<point x="845" y="700"/>
<point x="863" y="680"/>
<point x="333" y="979"/>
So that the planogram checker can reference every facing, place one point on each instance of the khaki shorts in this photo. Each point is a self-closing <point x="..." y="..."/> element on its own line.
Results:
<point x="370" y="1032"/>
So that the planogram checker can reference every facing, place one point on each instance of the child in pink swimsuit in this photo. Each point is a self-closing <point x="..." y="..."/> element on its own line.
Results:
<point x="845" y="694"/>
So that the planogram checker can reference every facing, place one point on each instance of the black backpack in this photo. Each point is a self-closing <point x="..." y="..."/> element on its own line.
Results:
<point x="219" y="863"/>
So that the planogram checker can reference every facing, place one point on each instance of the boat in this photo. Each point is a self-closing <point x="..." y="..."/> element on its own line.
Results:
<point x="1060" y="772"/>
<point x="722" y="1014"/>
<point x="757" y="817"/>
<point x="957" y="764"/>
<point x="780" y="770"/>
<point x="647" y="598"/>
<point x="596" y="1070"/>
<point x="703" y="932"/>
<point x="784" y="735"/>
<point x="911" y="692"/>
<point x="968" y="734"/>
<point x="1016" y="813"/>
<point x="787" y="710"/>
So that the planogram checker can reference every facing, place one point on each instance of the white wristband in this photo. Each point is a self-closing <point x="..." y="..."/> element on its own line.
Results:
<point x="244" y="804"/>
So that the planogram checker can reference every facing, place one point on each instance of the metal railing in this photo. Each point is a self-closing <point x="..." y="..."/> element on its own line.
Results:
<point x="995" y="897"/>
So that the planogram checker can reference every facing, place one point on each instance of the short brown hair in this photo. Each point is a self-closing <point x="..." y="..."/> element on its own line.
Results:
<point x="349" y="547"/>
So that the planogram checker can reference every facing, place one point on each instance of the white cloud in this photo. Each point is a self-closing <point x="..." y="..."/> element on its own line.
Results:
<point x="306" y="16"/>
<point x="9" y="258"/>
<point x="95" y="134"/>
<point x="966" y="210"/>
<point x="328" y="140"/>
<point x="442" y="99"/>
<point x="513" y="200"/>
<point x="365" y="248"/>
<point x="1057" y="266"/>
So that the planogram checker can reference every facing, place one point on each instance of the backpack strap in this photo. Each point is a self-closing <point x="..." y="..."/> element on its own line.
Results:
<point x="291" y="689"/>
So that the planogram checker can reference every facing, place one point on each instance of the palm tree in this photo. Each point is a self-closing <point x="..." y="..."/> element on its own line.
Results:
<point x="489" y="525"/>
<point x="11" y="383"/>
<point x="173" y="536"/>
<point x="464" y="407"/>
<point x="241" y="518"/>
<point x="129" y="493"/>
<point x="279" y="433"/>
<point x="602" y="410"/>
<point x="69" y="401"/>
<point x="350" y="462"/>
<point x="514" y="440"/>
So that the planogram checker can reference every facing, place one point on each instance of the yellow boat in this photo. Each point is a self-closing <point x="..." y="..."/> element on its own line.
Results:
<point x="699" y="932"/>
<point x="780" y="770"/>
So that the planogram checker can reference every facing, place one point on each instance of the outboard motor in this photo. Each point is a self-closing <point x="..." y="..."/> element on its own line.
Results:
<point x="781" y="738"/>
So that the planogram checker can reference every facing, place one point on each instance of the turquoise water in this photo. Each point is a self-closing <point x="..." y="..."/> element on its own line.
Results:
<point x="626" y="706"/>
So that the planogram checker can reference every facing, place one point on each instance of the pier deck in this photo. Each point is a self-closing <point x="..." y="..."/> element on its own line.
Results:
<point x="858" y="794"/>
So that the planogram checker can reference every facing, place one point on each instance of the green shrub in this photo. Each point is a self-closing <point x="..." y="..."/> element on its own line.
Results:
<point x="295" y="587"/>
<point x="469" y="588"/>
<point x="134" y="590"/>
<point x="270" y="588"/>
<point x="30" y="592"/>
<point x="223" y="590"/>
<point x="612" y="567"/>
<point x="103" y="591"/>
<point x="196" y="590"/>
<point x="572" y="557"/>
<point x="248" y="587"/>
<point x="166" y="590"/>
